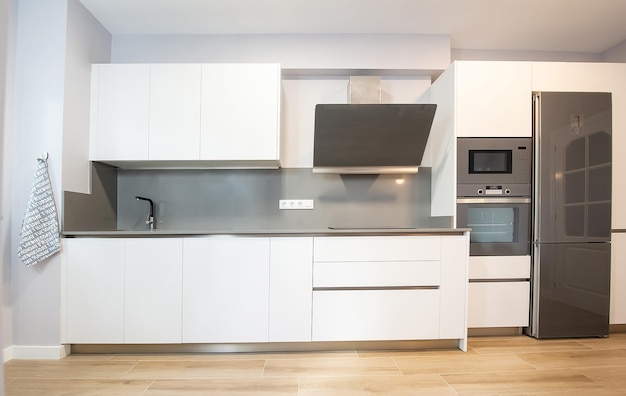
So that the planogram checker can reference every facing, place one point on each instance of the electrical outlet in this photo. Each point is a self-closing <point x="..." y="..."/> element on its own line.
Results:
<point x="295" y="204"/>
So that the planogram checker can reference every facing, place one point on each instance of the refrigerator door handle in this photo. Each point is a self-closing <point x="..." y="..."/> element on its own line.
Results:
<point x="536" y="188"/>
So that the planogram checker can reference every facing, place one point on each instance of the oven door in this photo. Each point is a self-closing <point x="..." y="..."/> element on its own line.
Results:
<point x="499" y="226"/>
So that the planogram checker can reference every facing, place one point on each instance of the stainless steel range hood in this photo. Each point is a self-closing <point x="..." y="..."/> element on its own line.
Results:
<point x="370" y="138"/>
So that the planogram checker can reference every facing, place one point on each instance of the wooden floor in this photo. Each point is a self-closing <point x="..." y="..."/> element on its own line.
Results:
<point x="516" y="365"/>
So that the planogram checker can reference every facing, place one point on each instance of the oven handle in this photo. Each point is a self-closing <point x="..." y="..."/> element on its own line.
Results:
<point x="494" y="200"/>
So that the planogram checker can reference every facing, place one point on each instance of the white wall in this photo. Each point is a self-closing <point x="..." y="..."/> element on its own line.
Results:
<point x="51" y="97"/>
<point x="616" y="53"/>
<point x="295" y="52"/>
<point x="87" y="42"/>
<point x="539" y="56"/>
<point x="5" y="48"/>
<point x="38" y="127"/>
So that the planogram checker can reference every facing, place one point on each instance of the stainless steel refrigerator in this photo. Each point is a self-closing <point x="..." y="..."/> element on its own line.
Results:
<point x="571" y="250"/>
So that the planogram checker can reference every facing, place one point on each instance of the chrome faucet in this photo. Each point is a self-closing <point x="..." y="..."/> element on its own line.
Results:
<point x="151" y="221"/>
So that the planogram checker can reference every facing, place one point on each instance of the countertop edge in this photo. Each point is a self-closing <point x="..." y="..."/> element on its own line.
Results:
<point x="263" y="233"/>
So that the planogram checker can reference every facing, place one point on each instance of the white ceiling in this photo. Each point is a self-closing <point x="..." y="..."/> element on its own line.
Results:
<point x="591" y="26"/>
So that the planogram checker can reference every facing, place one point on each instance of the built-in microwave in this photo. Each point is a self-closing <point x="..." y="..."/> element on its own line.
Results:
<point x="494" y="166"/>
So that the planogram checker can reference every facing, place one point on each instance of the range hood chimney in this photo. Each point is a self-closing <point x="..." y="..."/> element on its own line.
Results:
<point x="364" y="90"/>
<point x="368" y="137"/>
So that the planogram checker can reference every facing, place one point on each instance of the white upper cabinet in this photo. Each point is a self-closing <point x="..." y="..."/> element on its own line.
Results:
<point x="186" y="112"/>
<point x="493" y="99"/>
<point x="240" y="112"/>
<point x="174" y="111"/>
<point x="120" y="112"/>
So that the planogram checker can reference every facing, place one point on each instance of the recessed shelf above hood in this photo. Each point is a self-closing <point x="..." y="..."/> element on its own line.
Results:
<point x="371" y="138"/>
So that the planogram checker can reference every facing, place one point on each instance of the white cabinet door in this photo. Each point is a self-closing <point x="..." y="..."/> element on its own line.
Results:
<point x="377" y="248"/>
<point x="240" y="112"/>
<point x="174" y="111"/>
<point x="290" y="289"/>
<point x="498" y="304"/>
<point x="94" y="291"/>
<point x="493" y="99"/>
<point x="368" y="315"/>
<point x="453" y="306"/>
<point x="153" y="290"/>
<point x="121" y="114"/>
<point x="499" y="267"/>
<point x="226" y="289"/>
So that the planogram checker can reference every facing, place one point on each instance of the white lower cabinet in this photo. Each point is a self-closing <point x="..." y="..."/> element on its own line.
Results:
<point x="498" y="304"/>
<point x="94" y="290"/>
<point x="370" y="315"/>
<point x="499" y="291"/>
<point x="153" y="291"/>
<point x="291" y="267"/>
<point x="225" y="290"/>
<point x="390" y="288"/>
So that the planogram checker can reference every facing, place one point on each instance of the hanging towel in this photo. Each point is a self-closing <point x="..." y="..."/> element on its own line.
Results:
<point x="40" y="236"/>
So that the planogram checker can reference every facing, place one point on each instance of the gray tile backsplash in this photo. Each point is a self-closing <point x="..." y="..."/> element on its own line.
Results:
<point x="248" y="199"/>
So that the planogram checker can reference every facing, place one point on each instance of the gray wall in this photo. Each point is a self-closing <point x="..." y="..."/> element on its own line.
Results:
<point x="248" y="199"/>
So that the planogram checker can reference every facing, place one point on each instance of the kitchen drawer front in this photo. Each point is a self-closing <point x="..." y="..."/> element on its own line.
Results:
<point x="393" y="248"/>
<point x="499" y="267"/>
<point x="367" y="315"/>
<point x="376" y="274"/>
<point x="498" y="304"/>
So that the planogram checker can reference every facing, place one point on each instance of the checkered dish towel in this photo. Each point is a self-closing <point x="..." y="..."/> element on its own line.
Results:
<point x="40" y="236"/>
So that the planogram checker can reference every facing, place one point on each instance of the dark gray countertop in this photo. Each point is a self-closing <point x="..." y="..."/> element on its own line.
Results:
<point x="283" y="232"/>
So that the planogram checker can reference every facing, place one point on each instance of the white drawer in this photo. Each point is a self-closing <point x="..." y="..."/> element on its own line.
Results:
<point x="366" y="315"/>
<point x="499" y="267"/>
<point x="376" y="274"/>
<point x="385" y="248"/>
<point x="498" y="304"/>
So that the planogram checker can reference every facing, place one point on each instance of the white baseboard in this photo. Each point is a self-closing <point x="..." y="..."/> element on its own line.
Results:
<point x="35" y="352"/>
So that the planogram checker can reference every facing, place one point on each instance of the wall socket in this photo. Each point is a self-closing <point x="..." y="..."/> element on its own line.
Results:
<point x="295" y="204"/>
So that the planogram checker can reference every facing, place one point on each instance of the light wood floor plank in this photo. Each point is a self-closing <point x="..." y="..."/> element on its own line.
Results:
<point x="196" y="369"/>
<point x="226" y="387"/>
<point x="76" y="387"/>
<point x="521" y="382"/>
<point x="409" y="385"/>
<point x="576" y="359"/>
<point x="466" y="363"/>
<point x="306" y="367"/>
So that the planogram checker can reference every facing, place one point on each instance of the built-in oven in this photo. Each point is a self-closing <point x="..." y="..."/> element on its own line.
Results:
<point x="500" y="226"/>
<point x="493" y="194"/>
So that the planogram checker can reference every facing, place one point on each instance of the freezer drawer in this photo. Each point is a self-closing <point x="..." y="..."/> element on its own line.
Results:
<point x="571" y="290"/>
